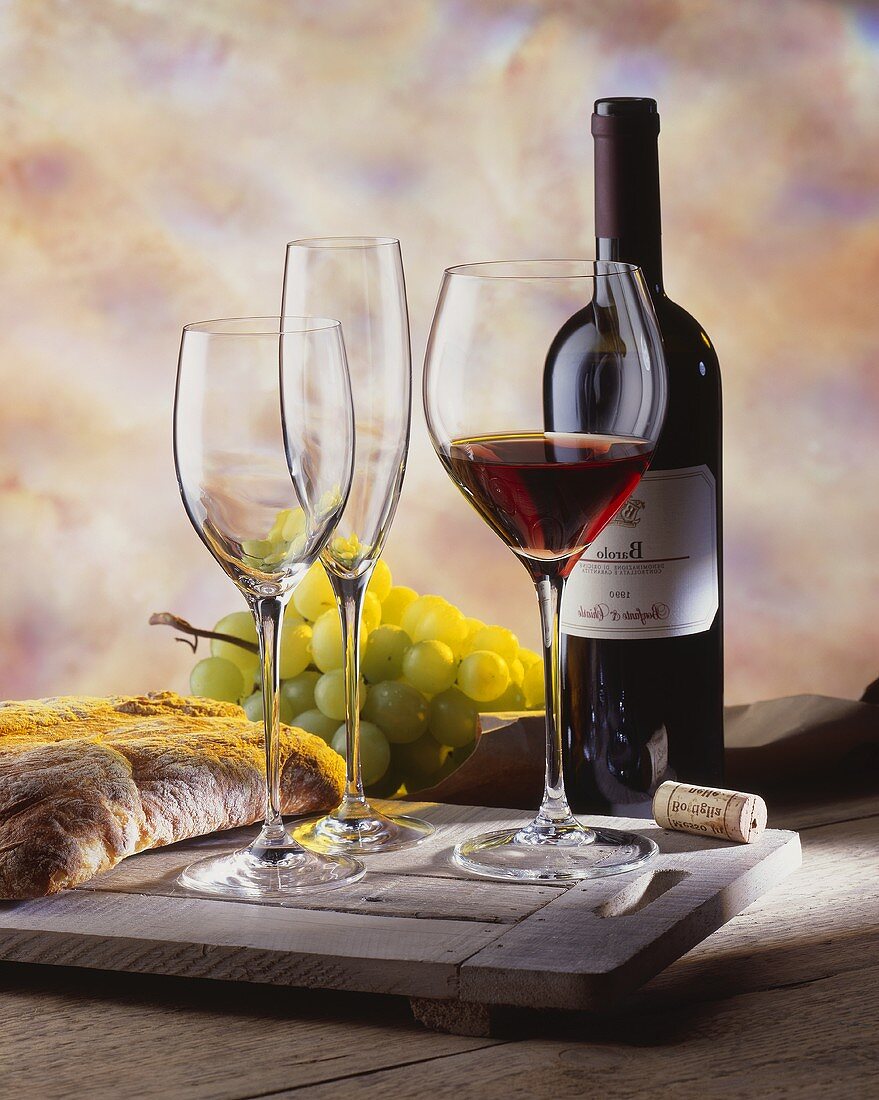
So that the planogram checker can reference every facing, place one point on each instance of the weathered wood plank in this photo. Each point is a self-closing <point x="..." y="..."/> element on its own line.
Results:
<point x="65" y="1032"/>
<point x="392" y="933"/>
<point x="823" y="920"/>
<point x="600" y="939"/>
<point x="454" y="823"/>
<point x="75" y="1033"/>
<point x="389" y="894"/>
<point x="820" y="1040"/>
<point x="193" y="937"/>
<point x="825" y="808"/>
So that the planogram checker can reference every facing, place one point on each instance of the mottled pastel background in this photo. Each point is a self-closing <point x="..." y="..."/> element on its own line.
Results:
<point x="157" y="155"/>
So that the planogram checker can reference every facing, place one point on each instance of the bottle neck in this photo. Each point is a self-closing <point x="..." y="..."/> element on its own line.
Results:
<point x="627" y="217"/>
<point x="647" y="254"/>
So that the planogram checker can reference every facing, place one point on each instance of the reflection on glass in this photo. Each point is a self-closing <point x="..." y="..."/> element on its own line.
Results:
<point x="360" y="281"/>
<point x="546" y="494"/>
<point x="263" y="446"/>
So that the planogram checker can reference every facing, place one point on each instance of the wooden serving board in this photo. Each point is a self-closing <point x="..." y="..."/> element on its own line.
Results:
<point x="415" y="926"/>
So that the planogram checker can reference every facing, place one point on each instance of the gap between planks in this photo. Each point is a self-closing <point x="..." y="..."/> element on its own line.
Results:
<point x="364" y="1075"/>
<point x="819" y="1041"/>
<point x="419" y="897"/>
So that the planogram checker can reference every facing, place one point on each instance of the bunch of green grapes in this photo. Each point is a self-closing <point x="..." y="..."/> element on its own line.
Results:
<point x="428" y="671"/>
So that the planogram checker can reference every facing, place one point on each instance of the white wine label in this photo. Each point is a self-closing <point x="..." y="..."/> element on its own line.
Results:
<point x="652" y="572"/>
<point x="657" y="750"/>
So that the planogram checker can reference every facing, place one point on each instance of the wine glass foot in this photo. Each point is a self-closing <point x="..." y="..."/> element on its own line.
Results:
<point x="277" y="874"/>
<point x="532" y="854"/>
<point x="362" y="834"/>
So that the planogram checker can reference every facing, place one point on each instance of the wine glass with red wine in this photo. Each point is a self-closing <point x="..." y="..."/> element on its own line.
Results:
<point x="547" y="494"/>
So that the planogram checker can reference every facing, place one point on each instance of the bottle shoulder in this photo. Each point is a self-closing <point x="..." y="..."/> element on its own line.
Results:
<point x="692" y="432"/>
<point x="683" y="333"/>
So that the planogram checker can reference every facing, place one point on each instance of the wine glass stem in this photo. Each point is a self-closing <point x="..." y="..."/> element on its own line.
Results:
<point x="269" y="615"/>
<point x="554" y="810"/>
<point x="349" y="593"/>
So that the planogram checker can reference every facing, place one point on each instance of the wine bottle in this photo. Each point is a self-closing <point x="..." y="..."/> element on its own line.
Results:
<point x="642" y="616"/>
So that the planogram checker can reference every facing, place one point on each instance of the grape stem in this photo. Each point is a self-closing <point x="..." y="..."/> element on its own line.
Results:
<point x="165" y="618"/>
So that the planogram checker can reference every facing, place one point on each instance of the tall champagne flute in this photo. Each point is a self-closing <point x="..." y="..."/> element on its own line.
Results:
<point x="263" y="446"/>
<point x="360" y="281"/>
<point x="546" y="494"/>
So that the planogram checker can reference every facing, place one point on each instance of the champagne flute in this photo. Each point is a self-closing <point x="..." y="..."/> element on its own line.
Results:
<point x="546" y="494"/>
<point x="263" y="447"/>
<point x="360" y="281"/>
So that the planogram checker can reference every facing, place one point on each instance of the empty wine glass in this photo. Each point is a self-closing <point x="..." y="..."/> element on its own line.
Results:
<point x="263" y="446"/>
<point x="360" y="281"/>
<point x="504" y="336"/>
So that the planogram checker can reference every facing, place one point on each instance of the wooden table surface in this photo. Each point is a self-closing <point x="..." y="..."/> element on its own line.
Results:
<point x="783" y="1001"/>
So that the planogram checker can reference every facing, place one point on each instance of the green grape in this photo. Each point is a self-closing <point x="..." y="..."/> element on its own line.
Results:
<point x="257" y="550"/>
<point x="346" y="552"/>
<point x="395" y="603"/>
<point x="442" y="623"/>
<point x="330" y="501"/>
<point x="383" y="657"/>
<point x="298" y="693"/>
<point x="387" y="786"/>
<point x="314" y="594"/>
<point x="286" y="713"/>
<point x="316" y="722"/>
<point x="281" y="553"/>
<point x="329" y="694"/>
<point x="430" y="667"/>
<point x="375" y="752"/>
<point x="253" y="707"/>
<point x="498" y="640"/>
<point x="413" y="612"/>
<point x="528" y="658"/>
<point x="326" y="642"/>
<point x="217" y="678"/>
<point x="453" y="718"/>
<point x="533" y="686"/>
<point x="239" y="624"/>
<point x="483" y="675"/>
<point x="473" y="628"/>
<point x="419" y="760"/>
<point x="276" y="533"/>
<point x="512" y="699"/>
<point x="381" y="581"/>
<point x="289" y="524"/>
<point x="295" y="649"/>
<point x="372" y="610"/>
<point x="517" y="671"/>
<point x="398" y="709"/>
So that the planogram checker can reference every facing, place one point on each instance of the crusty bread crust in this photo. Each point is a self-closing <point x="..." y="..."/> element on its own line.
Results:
<point x="85" y="782"/>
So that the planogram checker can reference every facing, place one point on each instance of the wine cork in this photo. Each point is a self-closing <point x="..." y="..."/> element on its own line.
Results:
<point x="709" y="811"/>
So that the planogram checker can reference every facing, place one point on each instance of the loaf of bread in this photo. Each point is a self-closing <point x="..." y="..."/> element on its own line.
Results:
<point x="85" y="782"/>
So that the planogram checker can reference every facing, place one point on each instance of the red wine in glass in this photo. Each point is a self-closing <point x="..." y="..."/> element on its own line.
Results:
<point x="548" y="494"/>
